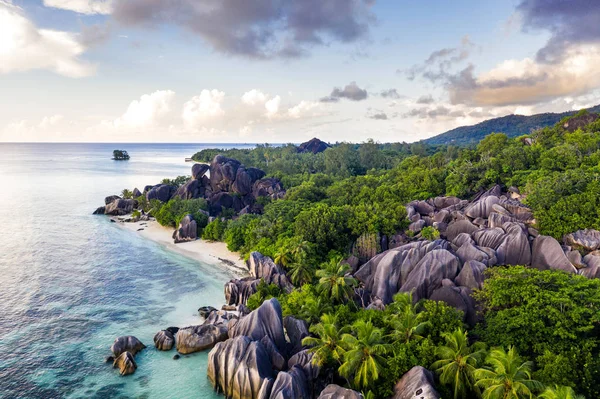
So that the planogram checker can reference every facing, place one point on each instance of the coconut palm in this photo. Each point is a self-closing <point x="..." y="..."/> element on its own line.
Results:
<point x="314" y="308"/>
<point x="507" y="376"/>
<point x="458" y="361"/>
<point x="300" y="249"/>
<point x="559" y="392"/>
<point x="333" y="281"/>
<point x="327" y="342"/>
<point x="407" y="324"/>
<point x="284" y="257"/>
<point x="300" y="273"/>
<point x="362" y="358"/>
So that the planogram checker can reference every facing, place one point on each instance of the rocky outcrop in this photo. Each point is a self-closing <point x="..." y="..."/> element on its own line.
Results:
<point x="291" y="384"/>
<point x="333" y="391"/>
<point x="223" y="171"/>
<point x="190" y="190"/>
<point x="125" y="362"/>
<point x="126" y="344"/>
<point x="304" y="359"/>
<point x="161" y="192"/>
<point x="580" y="121"/>
<point x="268" y="187"/>
<point x="296" y="331"/>
<point x="240" y="368"/>
<point x="136" y="193"/>
<point x="198" y="338"/>
<point x="264" y="321"/>
<point x="199" y="170"/>
<point x="416" y="383"/>
<point x="428" y="274"/>
<point x="263" y="267"/>
<point x="238" y="291"/>
<point x="120" y="207"/>
<point x="187" y="231"/>
<point x="204" y="311"/>
<point x="549" y="255"/>
<point x="110" y="199"/>
<point x="587" y="240"/>
<point x="313" y="145"/>
<point x="164" y="340"/>
<point x="245" y="178"/>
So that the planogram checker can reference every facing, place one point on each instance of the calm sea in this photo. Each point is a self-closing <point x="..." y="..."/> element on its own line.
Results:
<point x="71" y="282"/>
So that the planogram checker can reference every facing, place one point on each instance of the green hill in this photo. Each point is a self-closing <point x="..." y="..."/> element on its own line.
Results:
<point x="511" y="125"/>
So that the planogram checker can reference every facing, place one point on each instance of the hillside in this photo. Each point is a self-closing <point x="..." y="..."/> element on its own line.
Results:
<point x="511" y="125"/>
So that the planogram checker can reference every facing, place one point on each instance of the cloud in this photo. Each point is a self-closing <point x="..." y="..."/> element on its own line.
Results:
<point x="94" y="35"/>
<point x="573" y="22"/>
<point x="254" y="97"/>
<point x="147" y="111"/>
<point x="24" y="47"/>
<point x="390" y="93"/>
<point x="351" y="92"/>
<point x="256" y="29"/>
<point x="272" y="106"/>
<point x="203" y="108"/>
<point x="49" y="121"/>
<point x="529" y="81"/>
<point x="426" y="99"/>
<point x="438" y="66"/>
<point x="305" y="109"/>
<point x="382" y="116"/>
<point x="88" y="7"/>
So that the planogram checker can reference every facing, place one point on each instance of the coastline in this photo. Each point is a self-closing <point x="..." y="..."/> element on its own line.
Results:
<point x="199" y="250"/>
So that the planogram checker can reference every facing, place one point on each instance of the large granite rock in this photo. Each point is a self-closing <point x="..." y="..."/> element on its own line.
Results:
<point x="237" y="291"/>
<point x="428" y="274"/>
<point x="126" y="344"/>
<point x="416" y="383"/>
<point x="187" y="231"/>
<point x="240" y="368"/>
<point x="268" y="187"/>
<point x="120" y="207"/>
<point x="471" y="275"/>
<point x="482" y="208"/>
<point x="458" y="227"/>
<point x="161" y="192"/>
<point x="333" y="391"/>
<point x="223" y="171"/>
<point x="549" y="255"/>
<point x="164" y="340"/>
<point x="588" y="239"/>
<point x="190" y="190"/>
<point x="304" y="359"/>
<point x="313" y="145"/>
<point x="245" y="178"/>
<point x="199" y="170"/>
<point x="515" y="249"/>
<point x="296" y="331"/>
<point x="263" y="267"/>
<point x="125" y="362"/>
<point x="198" y="338"/>
<point x="264" y="321"/>
<point x="292" y="384"/>
<point x="111" y="198"/>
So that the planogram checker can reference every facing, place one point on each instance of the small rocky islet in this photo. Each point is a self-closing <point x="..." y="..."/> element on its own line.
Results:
<point x="260" y="354"/>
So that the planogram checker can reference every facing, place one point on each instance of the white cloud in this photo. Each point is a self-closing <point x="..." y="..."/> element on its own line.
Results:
<point x="49" y="121"/>
<point x="88" y="7"/>
<point x="272" y="106"/>
<point x="24" y="47"/>
<point x="254" y="97"/>
<point x="203" y="108"/>
<point x="305" y="108"/>
<point x="148" y="111"/>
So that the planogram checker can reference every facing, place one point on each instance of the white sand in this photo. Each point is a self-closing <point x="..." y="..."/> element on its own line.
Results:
<point x="200" y="250"/>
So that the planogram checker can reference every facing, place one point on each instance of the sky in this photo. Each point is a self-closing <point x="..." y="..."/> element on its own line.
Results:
<point x="281" y="71"/>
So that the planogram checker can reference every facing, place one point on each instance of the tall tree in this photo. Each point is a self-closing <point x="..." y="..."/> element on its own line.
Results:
<point x="327" y="343"/>
<point x="507" y="376"/>
<point x="334" y="282"/>
<point x="559" y="392"/>
<point x="458" y="361"/>
<point x="362" y="359"/>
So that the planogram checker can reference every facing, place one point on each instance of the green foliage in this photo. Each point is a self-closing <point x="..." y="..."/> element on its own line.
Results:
<point x="120" y="155"/>
<point x="171" y="213"/>
<point x="127" y="194"/>
<point x="430" y="233"/>
<point x="215" y="230"/>
<point x="263" y="293"/>
<point x="506" y="376"/>
<point x="334" y="283"/>
<point x="550" y="316"/>
<point x="136" y="214"/>
<point x="324" y="225"/>
<point x="177" y="182"/>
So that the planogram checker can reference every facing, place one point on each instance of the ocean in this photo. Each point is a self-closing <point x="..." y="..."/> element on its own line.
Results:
<point x="72" y="282"/>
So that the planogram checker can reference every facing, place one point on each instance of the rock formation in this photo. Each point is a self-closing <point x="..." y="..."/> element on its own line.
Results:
<point x="314" y="146"/>
<point x="125" y="363"/>
<point x="164" y="340"/>
<point x="198" y="338"/>
<point x="187" y="231"/>
<point x="333" y="391"/>
<point x="416" y="383"/>
<point x="126" y="344"/>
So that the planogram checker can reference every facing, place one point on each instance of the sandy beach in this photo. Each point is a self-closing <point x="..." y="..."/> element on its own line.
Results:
<point x="200" y="250"/>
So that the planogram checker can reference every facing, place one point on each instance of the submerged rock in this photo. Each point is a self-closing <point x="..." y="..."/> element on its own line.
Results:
<point x="126" y="344"/>
<point x="125" y="363"/>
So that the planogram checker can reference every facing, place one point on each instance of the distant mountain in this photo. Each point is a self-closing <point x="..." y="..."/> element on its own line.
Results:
<point x="511" y="125"/>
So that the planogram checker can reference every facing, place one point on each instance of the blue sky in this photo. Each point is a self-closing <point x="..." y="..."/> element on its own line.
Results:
<point x="213" y="70"/>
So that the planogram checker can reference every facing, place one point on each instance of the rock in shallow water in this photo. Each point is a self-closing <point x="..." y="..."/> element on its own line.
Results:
<point x="125" y="363"/>
<point x="198" y="338"/>
<point x="164" y="340"/>
<point x="126" y="344"/>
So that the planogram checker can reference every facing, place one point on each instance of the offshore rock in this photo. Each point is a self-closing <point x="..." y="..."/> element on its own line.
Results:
<point x="126" y="344"/>
<point x="198" y="338"/>
<point x="125" y="363"/>
<point x="164" y="340"/>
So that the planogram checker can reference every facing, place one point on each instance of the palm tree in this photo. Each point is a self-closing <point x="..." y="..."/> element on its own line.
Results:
<point x="362" y="358"/>
<point x="328" y="341"/>
<point x="314" y="308"/>
<point x="458" y="361"/>
<point x="407" y="324"/>
<point x="301" y="273"/>
<point x="508" y="377"/>
<point x="283" y="257"/>
<point x="560" y="392"/>
<point x="334" y="283"/>
<point x="300" y="249"/>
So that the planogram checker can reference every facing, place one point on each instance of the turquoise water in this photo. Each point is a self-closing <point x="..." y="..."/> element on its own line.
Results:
<point x="71" y="282"/>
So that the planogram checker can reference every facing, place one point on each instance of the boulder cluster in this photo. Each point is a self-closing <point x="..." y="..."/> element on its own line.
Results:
<point x="225" y="183"/>
<point x="124" y="350"/>
<point x="495" y="228"/>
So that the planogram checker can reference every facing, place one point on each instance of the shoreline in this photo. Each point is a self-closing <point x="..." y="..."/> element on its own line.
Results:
<point x="199" y="250"/>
